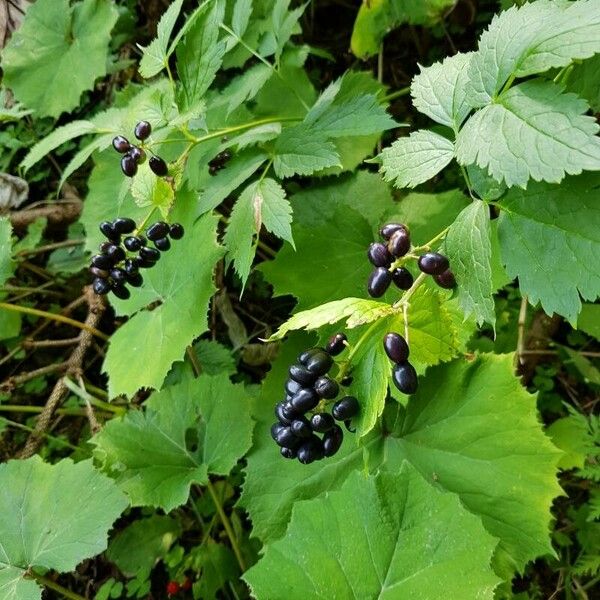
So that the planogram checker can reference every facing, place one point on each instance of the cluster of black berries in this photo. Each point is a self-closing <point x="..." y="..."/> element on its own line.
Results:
<point x="307" y="390"/>
<point x="114" y="268"/>
<point x="403" y="373"/>
<point x="397" y="244"/>
<point x="218" y="162"/>
<point x="136" y="155"/>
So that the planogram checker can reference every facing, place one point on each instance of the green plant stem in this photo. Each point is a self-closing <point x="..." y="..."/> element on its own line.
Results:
<point x="146" y="219"/>
<point x="405" y="91"/>
<point x="193" y="360"/>
<point x="227" y="525"/>
<point x="354" y="349"/>
<point x="441" y="235"/>
<point x="31" y="430"/>
<point x="17" y="408"/>
<point x="55" y="587"/>
<point x="85" y="395"/>
<point x="53" y="317"/>
<point x="410" y="291"/>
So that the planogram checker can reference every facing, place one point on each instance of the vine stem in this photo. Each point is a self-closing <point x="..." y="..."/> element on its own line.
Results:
<point x="410" y="291"/>
<point x="54" y="317"/>
<point x="47" y="582"/>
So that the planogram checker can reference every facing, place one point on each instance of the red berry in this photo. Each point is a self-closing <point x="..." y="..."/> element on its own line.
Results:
<point x="187" y="584"/>
<point x="173" y="588"/>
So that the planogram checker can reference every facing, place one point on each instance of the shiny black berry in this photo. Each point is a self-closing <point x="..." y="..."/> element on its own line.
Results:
<point x="402" y="278"/>
<point x="318" y="362"/>
<point x="108" y="230"/>
<point x="346" y="408"/>
<point x="138" y="155"/>
<point x="321" y="422"/>
<point x="445" y="279"/>
<point x="395" y="347"/>
<point x="433" y="263"/>
<point x="129" y="165"/>
<point x="326" y="387"/>
<point x="118" y="275"/>
<point x="132" y="243"/>
<point x="336" y="344"/>
<point x="279" y="414"/>
<point x="399" y="243"/>
<point x="102" y="273"/>
<point x="405" y="378"/>
<point x="176" y="231"/>
<point x="301" y="428"/>
<point x="135" y="279"/>
<point x="292" y="387"/>
<point x="157" y="230"/>
<point x="302" y="375"/>
<point x="142" y="130"/>
<point x="120" y="291"/>
<point x="121" y="144"/>
<point x="379" y="282"/>
<point x="123" y="225"/>
<point x="162" y="244"/>
<point x="286" y="438"/>
<point x="149" y="254"/>
<point x="104" y="246"/>
<point x="101" y="261"/>
<point x="115" y="253"/>
<point x="332" y="440"/>
<point x="310" y="451"/>
<point x="287" y="453"/>
<point x="145" y="263"/>
<point x="131" y="266"/>
<point x="389" y="229"/>
<point x="158" y="166"/>
<point x="378" y="255"/>
<point x="101" y="286"/>
<point x="289" y="412"/>
<point x="275" y="429"/>
<point x="306" y="399"/>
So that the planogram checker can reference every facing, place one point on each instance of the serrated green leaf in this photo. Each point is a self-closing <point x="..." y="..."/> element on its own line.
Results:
<point x="533" y="130"/>
<point x="186" y="432"/>
<point x="100" y="143"/>
<point x="584" y="80"/>
<point x="47" y="526"/>
<point x="214" y="358"/>
<point x="412" y="160"/>
<point x="589" y="320"/>
<point x="301" y="150"/>
<point x="11" y="112"/>
<point x="469" y="249"/>
<point x="149" y="190"/>
<point x="263" y="202"/>
<point x="549" y="239"/>
<point x="439" y="91"/>
<point x="142" y="350"/>
<point x="155" y="55"/>
<point x="244" y="87"/>
<point x="284" y="24"/>
<point x="571" y="435"/>
<point x="418" y="542"/>
<point x="7" y="265"/>
<point x="531" y="39"/>
<point x="58" y="43"/>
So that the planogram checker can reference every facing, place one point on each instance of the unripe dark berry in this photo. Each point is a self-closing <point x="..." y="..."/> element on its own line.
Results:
<point x="101" y="286"/>
<point x="142" y="130"/>
<point x="117" y="274"/>
<point x="336" y="344"/>
<point x="121" y="144"/>
<point x="176" y="231"/>
<point x="319" y="363"/>
<point x="302" y="375"/>
<point x="433" y="263"/>
<point x="135" y="279"/>
<point x="123" y="225"/>
<point x="346" y="408"/>
<point x="101" y="261"/>
<point x="102" y="273"/>
<point x="149" y="254"/>
<point x="405" y="378"/>
<point x="157" y="230"/>
<point x="378" y="255"/>
<point x="162" y="244"/>
<point x="321" y="422"/>
<point x="395" y="347"/>
<point x="326" y="387"/>
<point x="115" y="253"/>
<point x="288" y="452"/>
<point x="292" y="387"/>
<point x="138" y="155"/>
<point x="129" y="165"/>
<point x="306" y="399"/>
<point x="379" y="282"/>
<point x="158" y="166"/>
<point x="332" y="440"/>
<point x="120" y="291"/>
<point x="132" y="243"/>
<point x="301" y="428"/>
<point x="446" y="279"/>
<point x="399" y="243"/>
<point x="389" y="229"/>
<point x="402" y="278"/>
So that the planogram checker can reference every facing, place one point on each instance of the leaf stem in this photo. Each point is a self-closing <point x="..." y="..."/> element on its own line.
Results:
<point x="405" y="91"/>
<point x="437" y="238"/>
<point x="82" y="393"/>
<point x="410" y="291"/>
<point x="47" y="582"/>
<point x="54" y="317"/>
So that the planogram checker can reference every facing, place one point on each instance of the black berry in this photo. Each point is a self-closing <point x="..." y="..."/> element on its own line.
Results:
<point x="279" y="414"/>
<point x="399" y="243"/>
<point x="107" y="228"/>
<point x="321" y="422"/>
<point x="446" y="279"/>
<point x="120" y="291"/>
<point x="336" y="344"/>
<point x="310" y="451"/>
<point x="101" y="286"/>
<point x="131" y="266"/>
<point x="332" y="440"/>
<point x="318" y="362"/>
<point x="104" y="247"/>
<point x="275" y="429"/>
<point x="292" y="387"/>
<point x="142" y="130"/>
<point x="326" y="387"/>
<point x="379" y="282"/>
<point x="301" y="428"/>
<point x="378" y="255"/>
<point x="405" y="378"/>
<point x="306" y="399"/>
<point x="289" y="412"/>
<point x="103" y="273"/>
<point x="132" y="243"/>
<point x="118" y="275"/>
<point x="149" y="254"/>
<point x="346" y="408"/>
<point x="158" y="166"/>
<point x="121" y="144"/>
<point x="123" y="225"/>
<point x="176" y="231"/>
<point x="129" y="165"/>
<point x="402" y="278"/>
<point x="157" y="230"/>
<point x="395" y="347"/>
<point x="135" y="279"/>
<point x="138" y="155"/>
<point x="286" y="438"/>
<point x="433" y="263"/>
<point x="302" y="375"/>
<point x="101" y="261"/>
<point x="145" y="263"/>
<point x="115" y="253"/>
<point x="162" y="243"/>
<point x="288" y="452"/>
<point x="389" y="229"/>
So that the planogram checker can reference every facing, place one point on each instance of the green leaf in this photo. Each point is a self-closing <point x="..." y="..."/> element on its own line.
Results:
<point x="58" y="53"/>
<point x="141" y="544"/>
<point x="571" y="434"/>
<point x="244" y="87"/>
<point x="142" y="350"/>
<point x="186" y="432"/>
<point x="45" y="525"/>
<point x="214" y="358"/>
<point x="7" y="265"/>
<point x="200" y="54"/>
<point x="390" y="536"/>
<point x="469" y="249"/>
<point x="589" y="320"/>
<point x="301" y="150"/>
<point x="149" y="190"/>
<point x="8" y="112"/>
<point x="533" y="130"/>
<point x="549" y="239"/>
<point x="155" y="55"/>
<point x="531" y="39"/>
<point x="262" y="202"/>
<point x="412" y="160"/>
<point x="225" y="181"/>
<point x="584" y="80"/>
<point x="218" y="566"/>
<point x="439" y="91"/>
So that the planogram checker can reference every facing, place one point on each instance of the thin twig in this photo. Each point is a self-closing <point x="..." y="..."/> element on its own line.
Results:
<point x="29" y="344"/>
<point x="521" y="331"/>
<point x="17" y="380"/>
